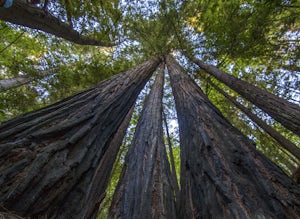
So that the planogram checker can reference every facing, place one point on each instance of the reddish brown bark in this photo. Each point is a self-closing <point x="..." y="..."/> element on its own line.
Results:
<point x="222" y="174"/>
<point x="285" y="112"/>
<point x="36" y="18"/>
<point x="48" y="158"/>
<point x="144" y="189"/>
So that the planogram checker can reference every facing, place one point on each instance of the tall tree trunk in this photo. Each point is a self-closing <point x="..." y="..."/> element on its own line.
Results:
<point x="33" y="17"/>
<point x="48" y="158"/>
<point x="222" y="174"/>
<point x="285" y="112"/>
<point x="96" y="192"/>
<point x="97" y="187"/>
<point x="283" y="142"/>
<point x="144" y="189"/>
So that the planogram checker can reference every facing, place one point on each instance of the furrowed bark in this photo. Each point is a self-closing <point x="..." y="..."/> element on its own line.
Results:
<point x="222" y="174"/>
<point x="283" y="142"/>
<point x="144" y="189"/>
<point x="33" y="17"/>
<point x="48" y="158"/>
<point x="285" y="112"/>
<point x="102" y="174"/>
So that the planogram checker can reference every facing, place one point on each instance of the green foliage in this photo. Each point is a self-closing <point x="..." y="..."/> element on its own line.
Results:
<point x="18" y="101"/>
<point x="18" y="50"/>
<point x="74" y="68"/>
<point x="97" y="19"/>
<point x="243" y="29"/>
<point x="176" y="155"/>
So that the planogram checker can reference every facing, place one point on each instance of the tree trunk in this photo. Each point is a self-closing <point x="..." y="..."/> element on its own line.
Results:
<point x="222" y="174"/>
<point x="33" y="17"/>
<point x="6" y="84"/>
<point x="102" y="174"/>
<point x="144" y="189"/>
<point x="283" y="142"/>
<point x="48" y="158"/>
<point x="287" y="113"/>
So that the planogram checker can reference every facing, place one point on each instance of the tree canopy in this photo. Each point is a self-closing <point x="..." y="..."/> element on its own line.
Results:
<point x="62" y="47"/>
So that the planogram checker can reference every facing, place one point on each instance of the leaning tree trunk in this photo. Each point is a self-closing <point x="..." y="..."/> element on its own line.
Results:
<point x="144" y="190"/>
<point x="222" y="174"/>
<point x="283" y="142"/>
<point x="8" y="83"/>
<point x="33" y="17"/>
<point x="285" y="112"/>
<point x="48" y="158"/>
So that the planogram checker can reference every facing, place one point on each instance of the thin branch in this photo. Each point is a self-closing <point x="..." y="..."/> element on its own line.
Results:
<point x="11" y="43"/>
<point x="174" y="176"/>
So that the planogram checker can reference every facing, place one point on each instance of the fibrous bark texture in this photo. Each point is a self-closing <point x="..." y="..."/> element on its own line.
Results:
<point x="285" y="112"/>
<point x="36" y="18"/>
<point x="222" y="174"/>
<point x="144" y="190"/>
<point x="49" y="158"/>
<point x="103" y="171"/>
<point x="285" y="143"/>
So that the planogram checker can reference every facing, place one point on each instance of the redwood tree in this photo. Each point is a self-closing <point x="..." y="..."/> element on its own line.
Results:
<point x="145" y="188"/>
<point x="50" y="157"/>
<point x="222" y="173"/>
<point x="55" y="162"/>
<point x="285" y="112"/>
<point x="283" y="142"/>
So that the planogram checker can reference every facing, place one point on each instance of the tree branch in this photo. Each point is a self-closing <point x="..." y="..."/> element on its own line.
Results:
<point x="23" y="14"/>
